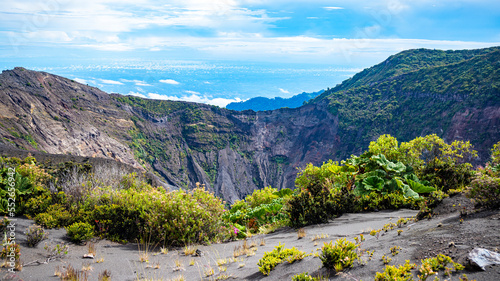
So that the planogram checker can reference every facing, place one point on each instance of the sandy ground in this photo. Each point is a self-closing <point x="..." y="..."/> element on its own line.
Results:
<point x="444" y="233"/>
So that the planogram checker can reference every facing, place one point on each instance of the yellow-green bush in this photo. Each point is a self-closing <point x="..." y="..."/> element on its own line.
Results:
<point x="173" y="218"/>
<point x="80" y="231"/>
<point x="56" y="216"/>
<point x="278" y="255"/>
<point x="393" y="273"/>
<point x="339" y="255"/>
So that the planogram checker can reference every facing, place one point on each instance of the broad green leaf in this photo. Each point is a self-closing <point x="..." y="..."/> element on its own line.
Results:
<point x="388" y="165"/>
<point x="409" y="193"/>
<point x="412" y="177"/>
<point x="420" y="188"/>
<point x="374" y="183"/>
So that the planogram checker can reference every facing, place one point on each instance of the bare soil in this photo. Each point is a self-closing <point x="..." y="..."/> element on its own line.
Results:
<point x="444" y="233"/>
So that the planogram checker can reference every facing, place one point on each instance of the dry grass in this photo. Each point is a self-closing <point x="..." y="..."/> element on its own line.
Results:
<point x="71" y="274"/>
<point x="178" y="265"/>
<point x="178" y="278"/>
<point x="209" y="271"/>
<point x="189" y="250"/>
<point x="221" y="262"/>
<point x="57" y="271"/>
<point x="222" y="268"/>
<point x="319" y="236"/>
<point x="245" y="249"/>
<point x="301" y="233"/>
<point x="241" y="263"/>
<point x="91" y="249"/>
<point x="262" y="242"/>
<point x="86" y="267"/>
<point x="163" y="251"/>
<point x="104" y="276"/>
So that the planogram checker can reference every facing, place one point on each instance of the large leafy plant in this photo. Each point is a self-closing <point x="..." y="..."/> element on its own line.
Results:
<point x="375" y="173"/>
<point x="262" y="207"/>
<point x="22" y="189"/>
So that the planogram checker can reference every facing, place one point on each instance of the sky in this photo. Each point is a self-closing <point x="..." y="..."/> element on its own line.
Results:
<point x="345" y="34"/>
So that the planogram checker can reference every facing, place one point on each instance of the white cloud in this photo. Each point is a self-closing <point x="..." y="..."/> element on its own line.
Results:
<point x="137" y="94"/>
<point x="81" y="81"/>
<point x="195" y="97"/>
<point x="170" y="81"/>
<point x="111" y="82"/>
<point x="283" y="91"/>
<point x="136" y="82"/>
<point x="333" y="8"/>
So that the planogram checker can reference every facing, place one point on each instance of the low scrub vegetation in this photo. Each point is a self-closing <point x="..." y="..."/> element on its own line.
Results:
<point x="108" y="203"/>
<point x="280" y="254"/>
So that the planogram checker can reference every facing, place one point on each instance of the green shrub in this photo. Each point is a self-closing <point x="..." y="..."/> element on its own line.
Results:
<point x="46" y="220"/>
<point x="262" y="196"/>
<point x="485" y="189"/>
<point x="116" y="222"/>
<point x="38" y="204"/>
<point x="55" y="216"/>
<point x="393" y="273"/>
<point x="35" y="234"/>
<point x="271" y="259"/>
<point x="431" y="266"/>
<point x="376" y="201"/>
<point x="339" y="255"/>
<point x="447" y="175"/>
<point x="312" y="205"/>
<point x="173" y="218"/>
<point x="304" y="277"/>
<point x="80" y="231"/>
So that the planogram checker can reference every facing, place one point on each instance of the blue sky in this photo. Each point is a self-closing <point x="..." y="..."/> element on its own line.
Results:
<point x="342" y="33"/>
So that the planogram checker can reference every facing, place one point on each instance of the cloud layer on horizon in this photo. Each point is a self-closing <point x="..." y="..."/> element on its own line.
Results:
<point x="250" y="29"/>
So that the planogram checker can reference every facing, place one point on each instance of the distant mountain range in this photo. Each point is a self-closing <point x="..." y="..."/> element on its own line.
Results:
<point x="262" y="103"/>
<point x="454" y="94"/>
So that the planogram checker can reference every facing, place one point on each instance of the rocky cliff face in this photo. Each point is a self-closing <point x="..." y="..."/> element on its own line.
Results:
<point x="231" y="152"/>
<point x="234" y="153"/>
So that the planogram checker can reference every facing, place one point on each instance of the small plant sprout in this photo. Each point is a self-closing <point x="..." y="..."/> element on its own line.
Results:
<point x="399" y="232"/>
<point x="209" y="271"/>
<point x="375" y="233"/>
<point x="178" y="265"/>
<point x="301" y="233"/>
<point x="221" y="262"/>
<point x="241" y="263"/>
<point x="222" y="268"/>
<point x="104" y="276"/>
<point x="253" y="244"/>
<point x="178" y="278"/>
<point x="57" y="271"/>
<point x="156" y="265"/>
<point x="386" y="260"/>
<point x="395" y="250"/>
<point x="87" y="267"/>
<point x="189" y="250"/>
<point x="262" y="242"/>
<point x="91" y="249"/>
<point x="164" y="250"/>
<point x="191" y="262"/>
